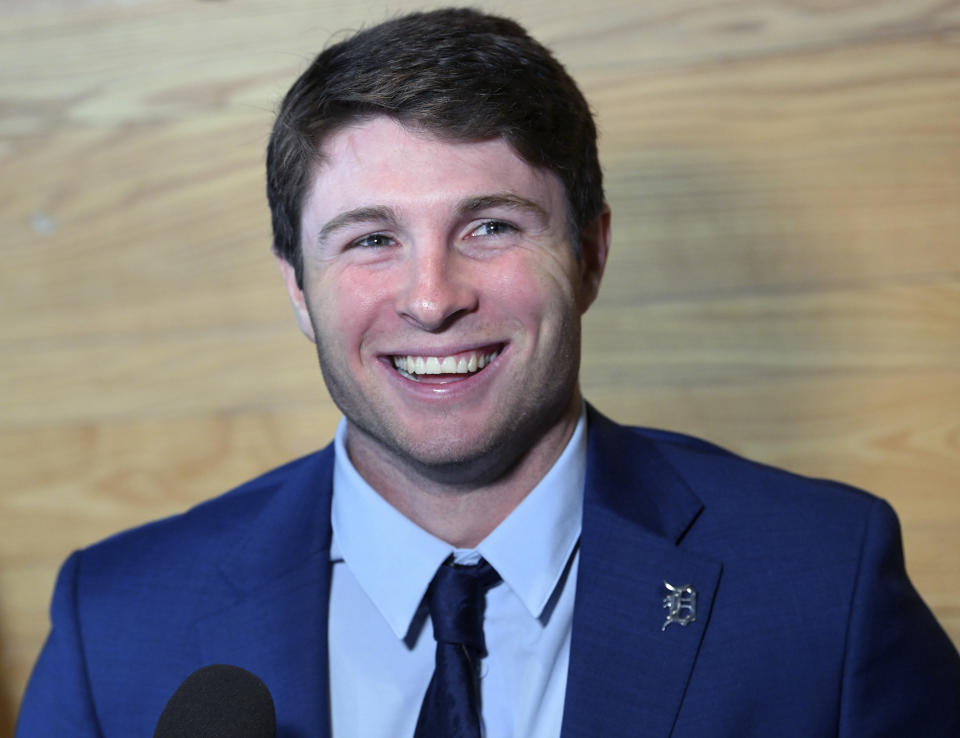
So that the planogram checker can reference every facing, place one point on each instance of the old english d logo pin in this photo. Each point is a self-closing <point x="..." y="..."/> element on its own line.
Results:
<point x="680" y="604"/>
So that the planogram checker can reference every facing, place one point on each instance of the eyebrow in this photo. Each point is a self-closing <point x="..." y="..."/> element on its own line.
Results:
<point x="503" y="200"/>
<point x="376" y="214"/>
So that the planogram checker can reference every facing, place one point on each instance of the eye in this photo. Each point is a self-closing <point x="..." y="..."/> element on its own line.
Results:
<point x="493" y="228"/>
<point x="372" y="241"/>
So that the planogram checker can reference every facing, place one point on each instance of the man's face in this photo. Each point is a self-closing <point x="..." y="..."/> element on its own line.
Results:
<point x="443" y="294"/>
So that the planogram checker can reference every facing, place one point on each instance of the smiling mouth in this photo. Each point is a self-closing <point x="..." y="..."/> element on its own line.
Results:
<point x="419" y="368"/>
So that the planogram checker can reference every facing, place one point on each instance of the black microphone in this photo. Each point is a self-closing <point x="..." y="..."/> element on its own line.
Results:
<point x="219" y="701"/>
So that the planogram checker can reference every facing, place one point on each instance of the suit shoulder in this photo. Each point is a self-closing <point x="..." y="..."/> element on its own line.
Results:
<point x="683" y="446"/>
<point x="707" y="466"/>
<point x="202" y="528"/>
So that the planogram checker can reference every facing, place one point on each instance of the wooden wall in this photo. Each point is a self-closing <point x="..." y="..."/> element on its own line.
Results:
<point x="785" y="280"/>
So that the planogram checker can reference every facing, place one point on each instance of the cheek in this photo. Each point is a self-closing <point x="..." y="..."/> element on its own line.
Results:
<point x="537" y="287"/>
<point x="347" y="304"/>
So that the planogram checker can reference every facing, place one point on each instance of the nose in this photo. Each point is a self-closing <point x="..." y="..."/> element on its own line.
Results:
<point x="438" y="289"/>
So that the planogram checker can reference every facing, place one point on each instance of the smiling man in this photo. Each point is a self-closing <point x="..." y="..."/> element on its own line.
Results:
<point x="443" y="289"/>
<point x="479" y="552"/>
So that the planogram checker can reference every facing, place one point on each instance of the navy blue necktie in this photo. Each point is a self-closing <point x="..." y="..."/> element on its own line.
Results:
<point x="451" y="707"/>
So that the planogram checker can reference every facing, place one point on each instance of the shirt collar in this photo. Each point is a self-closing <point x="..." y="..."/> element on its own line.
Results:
<point x="394" y="560"/>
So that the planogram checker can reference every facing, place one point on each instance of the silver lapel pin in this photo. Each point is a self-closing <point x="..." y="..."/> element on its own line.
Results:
<point x="680" y="604"/>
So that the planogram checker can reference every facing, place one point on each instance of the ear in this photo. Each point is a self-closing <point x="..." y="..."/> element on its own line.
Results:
<point x="297" y="299"/>
<point x="594" y="247"/>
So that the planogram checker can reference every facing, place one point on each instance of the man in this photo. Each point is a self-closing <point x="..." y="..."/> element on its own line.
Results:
<point x="440" y="225"/>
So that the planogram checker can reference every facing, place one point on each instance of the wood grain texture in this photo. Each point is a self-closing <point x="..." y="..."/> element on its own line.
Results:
<point x="785" y="276"/>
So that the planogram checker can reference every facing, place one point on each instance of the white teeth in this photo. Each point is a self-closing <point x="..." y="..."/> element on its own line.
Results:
<point x="443" y="364"/>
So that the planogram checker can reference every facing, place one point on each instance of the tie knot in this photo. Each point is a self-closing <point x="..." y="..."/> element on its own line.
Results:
<point x="456" y="599"/>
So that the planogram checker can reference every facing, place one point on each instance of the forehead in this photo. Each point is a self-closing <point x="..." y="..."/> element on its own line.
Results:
<point x="380" y="161"/>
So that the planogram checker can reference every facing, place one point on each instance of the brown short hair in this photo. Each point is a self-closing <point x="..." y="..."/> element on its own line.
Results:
<point x="458" y="73"/>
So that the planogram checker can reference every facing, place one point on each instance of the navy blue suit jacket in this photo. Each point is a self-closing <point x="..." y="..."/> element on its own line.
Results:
<point x="806" y="624"/>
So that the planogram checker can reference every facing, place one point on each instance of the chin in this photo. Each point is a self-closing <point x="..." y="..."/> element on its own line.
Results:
<point x="452" y="459"/>
<point x="446" y="452"/>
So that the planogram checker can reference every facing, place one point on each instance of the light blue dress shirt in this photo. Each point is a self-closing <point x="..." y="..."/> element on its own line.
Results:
<point x="380" y="636"/>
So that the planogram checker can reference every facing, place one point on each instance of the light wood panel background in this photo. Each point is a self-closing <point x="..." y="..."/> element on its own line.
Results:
<point x="785" y="280"/>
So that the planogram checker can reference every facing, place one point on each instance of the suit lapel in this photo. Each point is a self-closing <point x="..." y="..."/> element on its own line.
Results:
<point x="628" y="672"/>
<point x="279" y="583"/>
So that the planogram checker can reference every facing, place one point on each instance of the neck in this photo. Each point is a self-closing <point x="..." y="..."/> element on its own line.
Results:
<point x="460" y="503"/>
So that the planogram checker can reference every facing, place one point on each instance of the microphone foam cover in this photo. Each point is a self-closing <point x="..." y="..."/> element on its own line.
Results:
<point x="219" y="701"/>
